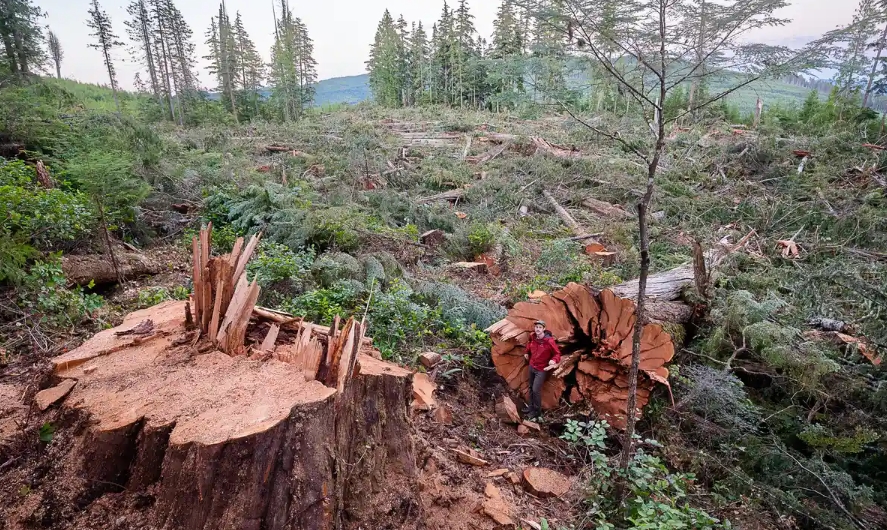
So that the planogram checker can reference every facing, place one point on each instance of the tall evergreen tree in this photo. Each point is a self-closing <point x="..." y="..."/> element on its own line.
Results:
<point x="384" y="64"/>
<point x="21" y="35"/>
<point x="106" y="41"/>
<point x="418" y="63"/>
<point x="162" y="54"/>
<point x="140" y="29"/>
<point x="182" y="61"/>
<point x="55" y="52"/>
<point x="465" y="55"/>
<point x="293" y="70"/>
<point x="252" y="67"/>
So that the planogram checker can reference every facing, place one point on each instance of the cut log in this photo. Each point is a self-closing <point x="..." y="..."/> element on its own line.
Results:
<point x="563" y="214"/>
<point x="595" y="333"/>
<point x="543" y="482"/>
<point x="451" y="195"/>
<point x="423" y="392"/>
<point x="430" y="359"/>
<point x="488" y="156"/>
<point x="468" y="458"/>
<point x="473" y="266"/>
<point x="605" y="209"/>
<point x="230" y="443"/>
<point x="81" y="270"/>
<point x="433" y="238"/>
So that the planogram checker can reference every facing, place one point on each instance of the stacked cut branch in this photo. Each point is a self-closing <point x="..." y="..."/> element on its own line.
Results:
<point x="223" y="298"/>
<point x="595" y="334"/>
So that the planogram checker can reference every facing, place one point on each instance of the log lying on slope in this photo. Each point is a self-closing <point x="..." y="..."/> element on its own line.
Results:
<point x="595" y="333"/>
<point x="98" y="269"/>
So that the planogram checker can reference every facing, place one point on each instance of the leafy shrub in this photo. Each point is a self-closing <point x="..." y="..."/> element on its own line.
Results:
<point x="43" y="295"/>
<point x="481" y="238"/>
<point x="280" y="272"/>
<point x="657" y="498"/>
<point x="45" y="217"/>
<point x="397" y="323"/>
<point x="152" y="296"/>
<point x="322" y="305"/>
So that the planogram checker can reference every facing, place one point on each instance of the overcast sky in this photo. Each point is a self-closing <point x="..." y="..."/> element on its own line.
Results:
<point x="342" y="29"/>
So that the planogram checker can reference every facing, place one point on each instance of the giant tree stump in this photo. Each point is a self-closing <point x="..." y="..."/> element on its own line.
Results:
<point x="595" y="333"/>
<point x="228" y="442"/>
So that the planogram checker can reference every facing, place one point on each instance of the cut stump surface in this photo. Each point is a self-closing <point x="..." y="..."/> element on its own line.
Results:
<point x="228" y="443"/>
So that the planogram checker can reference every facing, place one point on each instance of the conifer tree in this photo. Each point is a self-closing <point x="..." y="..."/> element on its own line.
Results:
<point x="251" y="65"/>
<point x="161" y="51"/>
<point x="293" y="71"/>
<point x="106" y="41"/>
<point x="55" y="52"/>
<point x="140" y="29"/>
<point x="182" y="62"/>
<point x="384" y="64"/>
<point x="21" y="36"/>
<point x="418" y="62"/>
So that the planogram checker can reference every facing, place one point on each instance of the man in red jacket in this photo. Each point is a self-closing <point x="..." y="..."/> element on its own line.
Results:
<point x="543" y="355"/>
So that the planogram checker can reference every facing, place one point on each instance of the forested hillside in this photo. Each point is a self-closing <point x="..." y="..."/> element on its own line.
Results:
<point x="264" y="310"/>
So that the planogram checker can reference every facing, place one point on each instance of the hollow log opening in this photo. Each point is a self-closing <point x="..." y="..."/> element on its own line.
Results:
<point x="594" y="331"/>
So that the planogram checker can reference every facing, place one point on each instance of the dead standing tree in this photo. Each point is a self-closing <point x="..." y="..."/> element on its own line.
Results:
<point x="648" y="48"/>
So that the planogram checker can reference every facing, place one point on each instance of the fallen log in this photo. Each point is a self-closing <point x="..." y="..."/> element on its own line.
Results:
<point x="564" y="214"/>
<point x="451" y="195"/>
<point x="605" y="209"/>
<point x="98" y="269"/>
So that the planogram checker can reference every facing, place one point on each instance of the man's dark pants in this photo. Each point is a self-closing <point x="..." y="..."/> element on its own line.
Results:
<point x="537" y="379"/>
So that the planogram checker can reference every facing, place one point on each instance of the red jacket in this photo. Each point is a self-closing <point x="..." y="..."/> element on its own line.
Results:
<point x="543" y="350"/>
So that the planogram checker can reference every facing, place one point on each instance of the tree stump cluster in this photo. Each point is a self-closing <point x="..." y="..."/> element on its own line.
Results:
<point x="594" y="331"/>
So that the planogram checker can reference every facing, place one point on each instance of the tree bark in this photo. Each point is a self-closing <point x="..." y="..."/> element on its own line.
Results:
<point x="233" y="444"/>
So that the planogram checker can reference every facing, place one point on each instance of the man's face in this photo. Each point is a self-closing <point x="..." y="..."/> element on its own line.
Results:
<point x="539" y="328"/>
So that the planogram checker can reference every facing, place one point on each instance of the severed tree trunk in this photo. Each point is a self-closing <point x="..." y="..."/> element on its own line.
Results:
<point x="595" y="332"/>
<point x="312" y="432"/>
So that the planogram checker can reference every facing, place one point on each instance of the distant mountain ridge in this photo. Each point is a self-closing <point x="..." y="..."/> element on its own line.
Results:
<point x="350" y="90"/>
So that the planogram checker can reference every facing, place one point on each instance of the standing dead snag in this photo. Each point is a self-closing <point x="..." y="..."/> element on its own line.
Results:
<point x="595" y="332"/>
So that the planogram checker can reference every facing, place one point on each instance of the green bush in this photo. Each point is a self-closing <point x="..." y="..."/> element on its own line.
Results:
<point x="322" y="305"/>
<point x="152" y="296"/>
<point x="657" y="498"/>
<point x="47" y="218"/>
<point x="280" y="272"/>
<point x="45" y="297"/>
